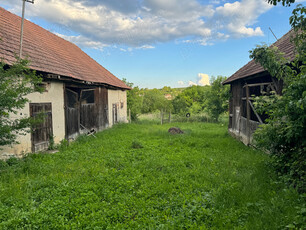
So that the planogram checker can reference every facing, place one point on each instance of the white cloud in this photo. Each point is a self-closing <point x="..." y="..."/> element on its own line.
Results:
<point x="140" y="24"/>
<point x="191" y="83"/>
<point x="181" y="83"/>
<point x="237" y="17"/>
<point x="203" y="79"/>
<point x="145" y="47"/>
<point x="82" y="41"/>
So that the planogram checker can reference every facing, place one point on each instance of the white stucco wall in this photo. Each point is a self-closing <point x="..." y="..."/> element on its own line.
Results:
<point x="54" y="95"/>
<point x="117" y="97"/>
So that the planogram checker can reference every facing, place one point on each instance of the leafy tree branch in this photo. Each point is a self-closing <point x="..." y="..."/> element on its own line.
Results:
<point x="16" y="81"/>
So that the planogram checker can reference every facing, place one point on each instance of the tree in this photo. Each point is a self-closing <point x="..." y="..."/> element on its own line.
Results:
<point x="154" y="100"/>
<point x="181" y="104"/>
<point x="134" y="100"/>
<point x="217" y="98"/>
<point x="191" y="100"/>
<point x="16" y="81"/>
<point x="284" y="2"/>
<point x="284" y="134"/>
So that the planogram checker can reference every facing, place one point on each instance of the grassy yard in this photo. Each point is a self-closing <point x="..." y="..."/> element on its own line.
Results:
<point x="140" y="177"/>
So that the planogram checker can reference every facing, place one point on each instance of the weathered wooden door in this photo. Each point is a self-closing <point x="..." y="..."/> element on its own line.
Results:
<point x="72" y="114"/>
<point x="88" y="116"/>
<point x="101" y="98"/>
<point x="43" y="131"/>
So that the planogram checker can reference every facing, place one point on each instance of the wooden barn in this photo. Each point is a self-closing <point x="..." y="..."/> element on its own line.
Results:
<point x="252" y="80"/>
<point x="79" y="94"/>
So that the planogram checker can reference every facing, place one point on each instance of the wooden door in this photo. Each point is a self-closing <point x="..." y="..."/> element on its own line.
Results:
<point x="88" y="114"/>
<point x="42" y="132"/>
<point x="72" y="113"/>
<point x="101" y="96"/>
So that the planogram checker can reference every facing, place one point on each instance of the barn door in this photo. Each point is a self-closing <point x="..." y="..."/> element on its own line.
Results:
<point x="115" y="114"/>
<point x="72" y="114"/>
<point x="101" y="96"/>
<point x="88" y="117"/>
<point x="43" y="131"/>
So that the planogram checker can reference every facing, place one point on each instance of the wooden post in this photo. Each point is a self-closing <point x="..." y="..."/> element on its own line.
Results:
<point x="169" y="116"/>
<point x="248" y="114"/>
<point x="161" y="116"/>
<point x="258" y="117"/>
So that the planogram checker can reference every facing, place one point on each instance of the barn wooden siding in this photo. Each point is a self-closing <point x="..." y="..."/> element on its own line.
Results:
<point x="86" y="109"/>
<point x="243" y="117"/>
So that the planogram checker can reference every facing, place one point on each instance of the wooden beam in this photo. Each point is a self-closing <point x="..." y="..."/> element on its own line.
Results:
<point x="248" y="114"/>
<point x="256" y="84"/>
<point x="258" y="117"/>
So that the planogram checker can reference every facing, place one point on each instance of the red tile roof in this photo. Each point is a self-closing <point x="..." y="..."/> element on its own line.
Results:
<point x="284" y="45"/>
<point x="49" y="53"/>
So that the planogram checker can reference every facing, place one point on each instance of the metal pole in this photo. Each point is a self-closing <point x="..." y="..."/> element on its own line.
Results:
<point x="21" y="33"/>
<point x="22" y="22"/>
<point x="273" y="33"/>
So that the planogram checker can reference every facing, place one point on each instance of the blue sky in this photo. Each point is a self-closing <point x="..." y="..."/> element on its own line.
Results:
<point x="156" y="43"/>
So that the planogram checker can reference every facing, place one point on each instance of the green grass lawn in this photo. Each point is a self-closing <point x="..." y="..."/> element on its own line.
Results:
<point x="202" y="179"/>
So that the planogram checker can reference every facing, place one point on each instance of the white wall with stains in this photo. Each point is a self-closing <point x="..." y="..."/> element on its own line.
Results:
<point x="54" y="94"/>
<point x="117" y="97"/>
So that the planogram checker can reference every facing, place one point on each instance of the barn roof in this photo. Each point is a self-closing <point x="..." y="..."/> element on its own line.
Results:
<point x="50" y="53"/>
<point x="284" y="45"/>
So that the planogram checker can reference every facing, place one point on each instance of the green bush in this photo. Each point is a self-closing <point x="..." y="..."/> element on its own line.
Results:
<point x="284" y="135"/>
<point x="12" y="161"/>
<point x="137" y="145"/>
<point x="3" y="164"/>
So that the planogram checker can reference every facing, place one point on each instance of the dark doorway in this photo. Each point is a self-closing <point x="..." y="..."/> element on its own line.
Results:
<point x="72" y="113"/>
<point x="86" y="109"/>
<point x="88" y="116"/>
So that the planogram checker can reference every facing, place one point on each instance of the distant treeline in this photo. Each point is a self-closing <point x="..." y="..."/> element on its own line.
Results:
<point x="211" y="99"/>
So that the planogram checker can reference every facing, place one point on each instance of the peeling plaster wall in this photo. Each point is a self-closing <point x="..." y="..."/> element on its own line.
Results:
<point x="117" y="97"/>
<point x="54" y="94"/>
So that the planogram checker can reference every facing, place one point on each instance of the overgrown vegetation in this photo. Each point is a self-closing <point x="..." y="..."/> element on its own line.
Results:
<point x="16" y="81"/>
<point x="212" y="100"/>
<point x="138" y="176"/>
<point x="284" y="135"/>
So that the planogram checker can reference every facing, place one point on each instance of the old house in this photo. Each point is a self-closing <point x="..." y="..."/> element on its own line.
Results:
<point x="79" y="94"/>
<point x="252" y="80"/>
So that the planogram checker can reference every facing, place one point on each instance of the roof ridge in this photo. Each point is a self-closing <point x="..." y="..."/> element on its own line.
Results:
<point x="60" y="56"/>
<point x="252" y="67"/>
